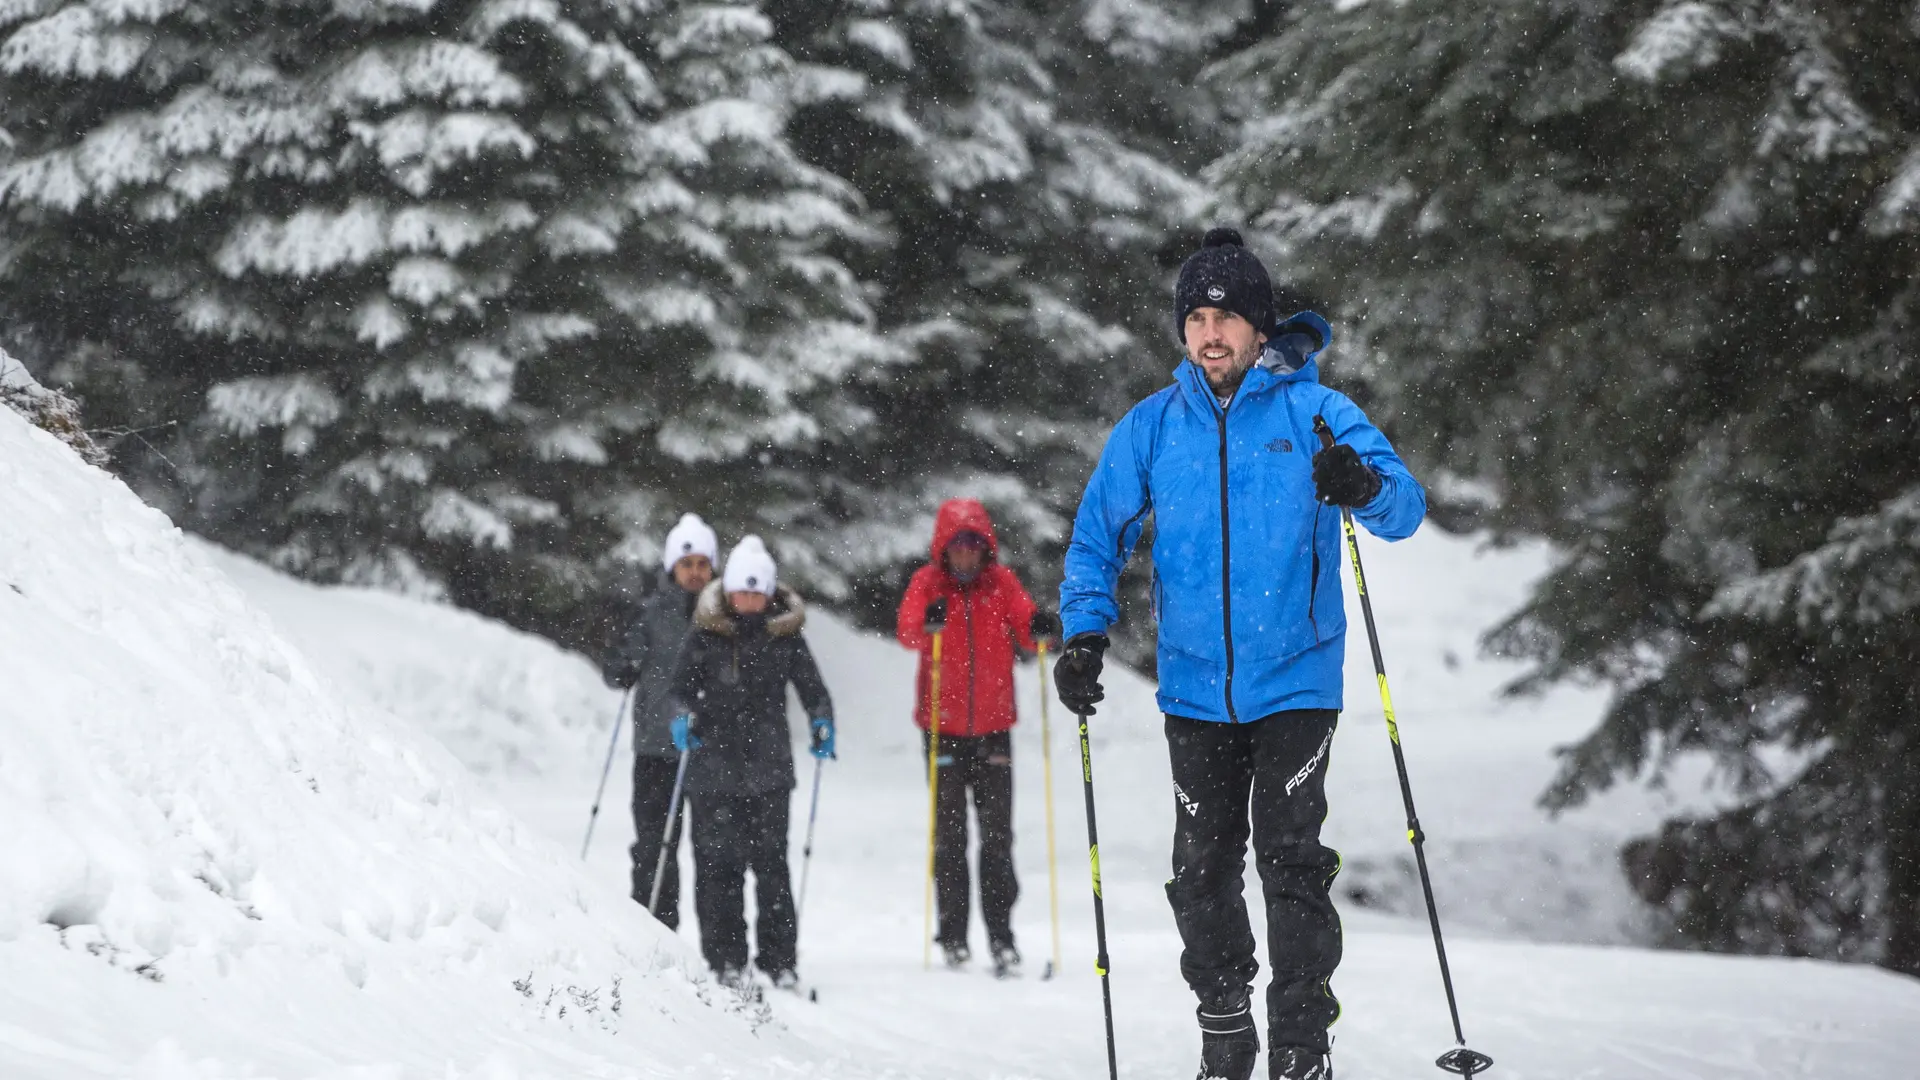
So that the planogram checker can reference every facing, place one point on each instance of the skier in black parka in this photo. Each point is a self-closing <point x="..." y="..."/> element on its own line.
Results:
<point x="745" y="651"/>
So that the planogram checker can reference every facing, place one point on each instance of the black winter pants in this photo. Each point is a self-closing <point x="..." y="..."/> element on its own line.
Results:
<point x="652" y="791"/>
<point x="733" y="835"/>
<point x="1267" y="780"/>
<point x="982" y="765"/>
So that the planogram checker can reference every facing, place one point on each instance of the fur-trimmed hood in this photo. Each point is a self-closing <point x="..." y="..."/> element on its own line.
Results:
<point x="786" y="612"/>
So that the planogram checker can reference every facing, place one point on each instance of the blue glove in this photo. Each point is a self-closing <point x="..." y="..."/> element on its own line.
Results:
<point x="823" y="738"/>
<point x="683" y="737"/>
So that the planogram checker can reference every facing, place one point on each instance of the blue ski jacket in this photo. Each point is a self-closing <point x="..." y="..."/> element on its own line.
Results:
<point x="1246" y="587"/>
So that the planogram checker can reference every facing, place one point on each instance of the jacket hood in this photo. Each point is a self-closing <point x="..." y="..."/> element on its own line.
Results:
<point x="962" y="515"/>
<point x="1294" y="343"/>
<point x="786" y="613"/>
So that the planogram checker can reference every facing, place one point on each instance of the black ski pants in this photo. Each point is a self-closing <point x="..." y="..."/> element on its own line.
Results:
<point x="982" y="765"/>
<point x="652" y="792"/>
<point x="734" y="835"/>
<point x="1265" y="780"/>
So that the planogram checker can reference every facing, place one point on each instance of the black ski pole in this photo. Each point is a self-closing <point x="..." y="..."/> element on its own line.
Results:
<point x="1460" y="1059"/>
<point x="619" y="721"/>
<point x="666" y="835"/>
<point x="1099" y="905"/>
<point x="806" y="852"/>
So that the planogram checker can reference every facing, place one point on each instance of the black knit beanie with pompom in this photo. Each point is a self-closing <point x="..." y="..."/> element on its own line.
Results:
<point x="1223" y="274"/>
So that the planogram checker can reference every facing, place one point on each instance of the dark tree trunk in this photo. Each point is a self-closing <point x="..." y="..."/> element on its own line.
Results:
<point x="1903" y="864"/>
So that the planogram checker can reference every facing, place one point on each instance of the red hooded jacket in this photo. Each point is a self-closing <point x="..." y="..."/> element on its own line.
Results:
<point x="986" y="619"/>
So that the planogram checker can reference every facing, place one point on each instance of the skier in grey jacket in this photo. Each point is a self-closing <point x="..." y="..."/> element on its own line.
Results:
<point x="643" y="656"/>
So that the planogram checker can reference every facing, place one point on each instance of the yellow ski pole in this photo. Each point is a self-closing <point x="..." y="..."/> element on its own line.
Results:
<point x="933" y="792"/>
<point x="1046" y="764"/>
<point x="1459" y="1060"/>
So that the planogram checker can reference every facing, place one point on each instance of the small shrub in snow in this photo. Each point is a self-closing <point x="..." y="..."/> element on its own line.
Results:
<point x="51" y="411"/>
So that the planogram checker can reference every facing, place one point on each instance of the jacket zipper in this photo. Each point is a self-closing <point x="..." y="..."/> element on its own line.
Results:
<point x="1313" y="586"/>
<point x="967" y="606"/>
<point x="1226" y="567"/>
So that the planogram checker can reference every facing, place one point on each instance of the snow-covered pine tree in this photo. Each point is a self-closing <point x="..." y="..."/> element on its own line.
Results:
<point x="1637" y="276"/>
<point x="1031" y="163"/>
<point x="440" y="296"/>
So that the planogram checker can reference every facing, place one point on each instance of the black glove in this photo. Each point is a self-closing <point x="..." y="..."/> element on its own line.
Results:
<point x="1340" y="478"/>
<point x="935" y="619"/>
<point x="1044" y="626"/>
<point x="1077" y="673"/>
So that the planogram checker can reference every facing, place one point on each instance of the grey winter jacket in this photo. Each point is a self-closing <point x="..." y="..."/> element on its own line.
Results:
<point x="643" y="656"/>
<point x="734" y="673"/>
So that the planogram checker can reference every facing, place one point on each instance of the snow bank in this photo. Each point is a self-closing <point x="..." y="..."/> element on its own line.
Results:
<point x="216" y="866"/>
<point x="505" y="703"/>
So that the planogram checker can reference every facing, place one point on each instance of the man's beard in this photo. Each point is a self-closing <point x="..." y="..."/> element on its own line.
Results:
<point x="1228" y="381"/>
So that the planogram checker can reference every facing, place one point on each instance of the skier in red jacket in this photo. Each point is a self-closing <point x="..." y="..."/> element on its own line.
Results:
<point x="983" y="614"/>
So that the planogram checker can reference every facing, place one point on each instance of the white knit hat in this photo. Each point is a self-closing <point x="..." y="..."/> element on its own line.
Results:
<point x="749" y="568"/>
<point x="691" y="537"/>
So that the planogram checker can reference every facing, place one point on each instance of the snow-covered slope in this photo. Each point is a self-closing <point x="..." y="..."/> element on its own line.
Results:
<point x="212" y="865"/>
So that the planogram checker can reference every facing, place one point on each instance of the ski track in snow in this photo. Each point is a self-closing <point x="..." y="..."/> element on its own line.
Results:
<point x="171" y="759"/>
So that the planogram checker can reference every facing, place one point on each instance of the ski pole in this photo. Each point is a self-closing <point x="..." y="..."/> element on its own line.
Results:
<point x="619" y="721"/>
<point x="806" y="852"/>
<point x="1460" y="1059"/>
<point x="1046" y="765"/>
<point x="1099" y="905"/>
<point x="933" y="793"/>
<point x="666" y="834"/>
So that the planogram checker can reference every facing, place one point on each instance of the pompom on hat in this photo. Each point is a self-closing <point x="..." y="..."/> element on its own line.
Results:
<point x="749" y="568"/>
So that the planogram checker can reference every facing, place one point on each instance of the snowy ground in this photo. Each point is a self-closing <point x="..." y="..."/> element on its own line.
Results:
<point x="258" y="809"/>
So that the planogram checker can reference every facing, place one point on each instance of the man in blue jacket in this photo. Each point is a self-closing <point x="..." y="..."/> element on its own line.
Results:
<point x="1252" y="635"/>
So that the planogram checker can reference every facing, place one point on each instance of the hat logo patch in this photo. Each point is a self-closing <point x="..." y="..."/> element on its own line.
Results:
<point x="1216" y="293"/>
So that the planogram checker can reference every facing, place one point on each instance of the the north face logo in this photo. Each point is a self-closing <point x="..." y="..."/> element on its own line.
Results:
<point x="1281" y="446"/>
<point x="1216" y="294"/>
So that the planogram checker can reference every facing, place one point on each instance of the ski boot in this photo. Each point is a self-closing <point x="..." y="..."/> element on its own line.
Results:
<point x="1006" y="962"/>
<point x="957" y="954"/>
<point x="1298" y="1063"/>
<point x="786" y="979"/>
<point x="1229" y="1043"/>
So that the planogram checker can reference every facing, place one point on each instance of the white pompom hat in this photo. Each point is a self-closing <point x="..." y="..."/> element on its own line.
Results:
<point x="691" y="536"/>
<point x="749" y="568"/>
